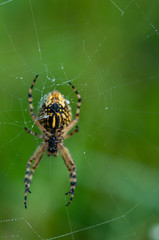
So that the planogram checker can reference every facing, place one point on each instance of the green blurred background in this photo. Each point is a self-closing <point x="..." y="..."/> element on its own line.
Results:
<point x="110" y="51"/>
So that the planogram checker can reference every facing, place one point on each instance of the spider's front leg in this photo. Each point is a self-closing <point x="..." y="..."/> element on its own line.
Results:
<point x="30" y="171"/>
<point x="72" y="169"/>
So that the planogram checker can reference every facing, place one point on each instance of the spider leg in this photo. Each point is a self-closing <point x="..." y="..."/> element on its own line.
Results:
<point x="74" y="122"/>
<point x="71" y="133"/>
<point x="72" y="169"/>
<point x="35" y="134"/>
<point x="30" y="171"/>
<point x="31" y="109"/>
<point x="34" y="167"/>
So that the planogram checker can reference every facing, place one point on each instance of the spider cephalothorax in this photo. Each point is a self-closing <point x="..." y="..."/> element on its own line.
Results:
<point x="55" y="121"/>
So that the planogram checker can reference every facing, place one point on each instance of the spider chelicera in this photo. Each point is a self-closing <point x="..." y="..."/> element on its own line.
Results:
<point x="55" y="121"/>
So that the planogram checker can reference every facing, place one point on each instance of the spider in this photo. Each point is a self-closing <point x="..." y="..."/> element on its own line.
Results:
<point x="55" y="121"/>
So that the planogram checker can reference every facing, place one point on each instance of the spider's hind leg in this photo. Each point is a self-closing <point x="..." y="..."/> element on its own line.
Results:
<point x="74" y="122"/>
<point x="71" y="133"/>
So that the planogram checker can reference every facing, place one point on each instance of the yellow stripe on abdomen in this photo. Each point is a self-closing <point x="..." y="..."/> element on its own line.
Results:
<point x="53" y="121"/>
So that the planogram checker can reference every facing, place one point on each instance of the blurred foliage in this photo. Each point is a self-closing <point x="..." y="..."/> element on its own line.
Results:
<point x="109" y="50"/>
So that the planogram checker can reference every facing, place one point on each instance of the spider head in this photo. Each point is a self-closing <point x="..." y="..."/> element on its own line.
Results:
<point x="52" y="147"/>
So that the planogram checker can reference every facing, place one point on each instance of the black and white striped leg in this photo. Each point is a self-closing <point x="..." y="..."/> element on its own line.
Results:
<point x="73" y="184"/>
<point x="74" y="122"/>
<point x="72" y="169"/>
<point x="35" y="134"/>
<point x="31" y="109"/>
<point x="71" y="133"/>
<point x="29" y="171"/>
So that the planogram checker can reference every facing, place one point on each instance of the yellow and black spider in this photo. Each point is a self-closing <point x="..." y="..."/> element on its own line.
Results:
<point x="55" y="121"/>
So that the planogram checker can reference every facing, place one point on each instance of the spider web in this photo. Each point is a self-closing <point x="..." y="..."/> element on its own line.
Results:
<point x="109" y="51"/>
